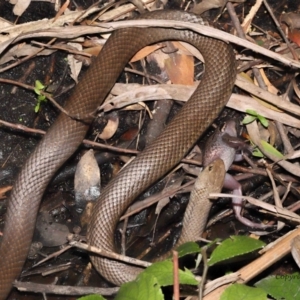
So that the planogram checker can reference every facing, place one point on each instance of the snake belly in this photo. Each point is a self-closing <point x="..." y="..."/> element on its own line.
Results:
<point x="66" y="134"/>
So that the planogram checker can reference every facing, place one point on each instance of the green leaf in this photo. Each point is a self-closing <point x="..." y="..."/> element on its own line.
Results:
<point x="38" y="85"/>
<point x="37" y="107"/>
<point x="260" y="42"/>
<point x="37" y="91"/>
<point x="144" y="287"/>
<point x="38" y="88"/>
<point x="163" y="272"/>
<point x="41" y="98"/>
<point x="263" y="121"/>
<point x="257" y="153"/>
<point x="91" y="297"/>
<point x="254" y="115"/>
<point x="234" y="246"/>
<point x="248" y="119"/>
<point x="240" y="291"/>
<point x="281" y="286"/>
<point x="270" y="149"/>
<point x="188" y="248"/>
<point x="252" y="112"/>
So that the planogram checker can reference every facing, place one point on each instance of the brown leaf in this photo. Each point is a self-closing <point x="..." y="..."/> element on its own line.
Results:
<point x="294" y="36"/>
<point x="145" y="52"/>
<point x="110" y="128"/>
<point x="3" y="190"/>
<point x="180" y="69"/>
<point x="178" y="66"/>
<point x="93" y="50"/>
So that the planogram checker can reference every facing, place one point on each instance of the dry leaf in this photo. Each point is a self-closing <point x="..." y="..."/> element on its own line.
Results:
<point x="20" y="6"/>
<point x="180" y="69"/>
<point x="184" y="63"/>
<point x="3" y="190"/>
<point x="75" y="65"/>
<point x="4" y="23"/>
<point x="271" y="88"/>
<point x="145" y="52"/>
<point x="93" y="50"/>
<point x="295" y="86"/>
<point x="263" y="103"/>
<point x="161" y="204"/>
<point x="246" y="25"/>
<point x="86" y="180"/>
<point x="294" y="36"/>
<point x="85" y="218"/>
<point x="207" y="5"/>
<point x="111" y="127"/>
<point x="21" y="50"/>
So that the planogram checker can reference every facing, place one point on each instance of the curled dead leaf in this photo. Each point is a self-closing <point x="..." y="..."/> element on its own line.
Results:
<point x="110" y="128"/>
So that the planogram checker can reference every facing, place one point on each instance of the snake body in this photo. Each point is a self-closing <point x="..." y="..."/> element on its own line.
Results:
<point x="66" y="134"/>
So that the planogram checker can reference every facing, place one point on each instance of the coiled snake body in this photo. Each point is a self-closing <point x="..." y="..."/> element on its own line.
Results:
<point x="66" y="134"/>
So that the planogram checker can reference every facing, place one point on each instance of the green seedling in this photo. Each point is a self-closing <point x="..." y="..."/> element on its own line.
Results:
<point x="38" y="87"/>
<point x="253" y="115"/>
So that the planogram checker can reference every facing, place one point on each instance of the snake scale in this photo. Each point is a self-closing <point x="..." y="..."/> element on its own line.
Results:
<point x="66" y="134"/>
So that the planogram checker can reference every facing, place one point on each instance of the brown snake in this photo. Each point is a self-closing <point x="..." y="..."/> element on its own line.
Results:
<point x="66" y="134"/>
